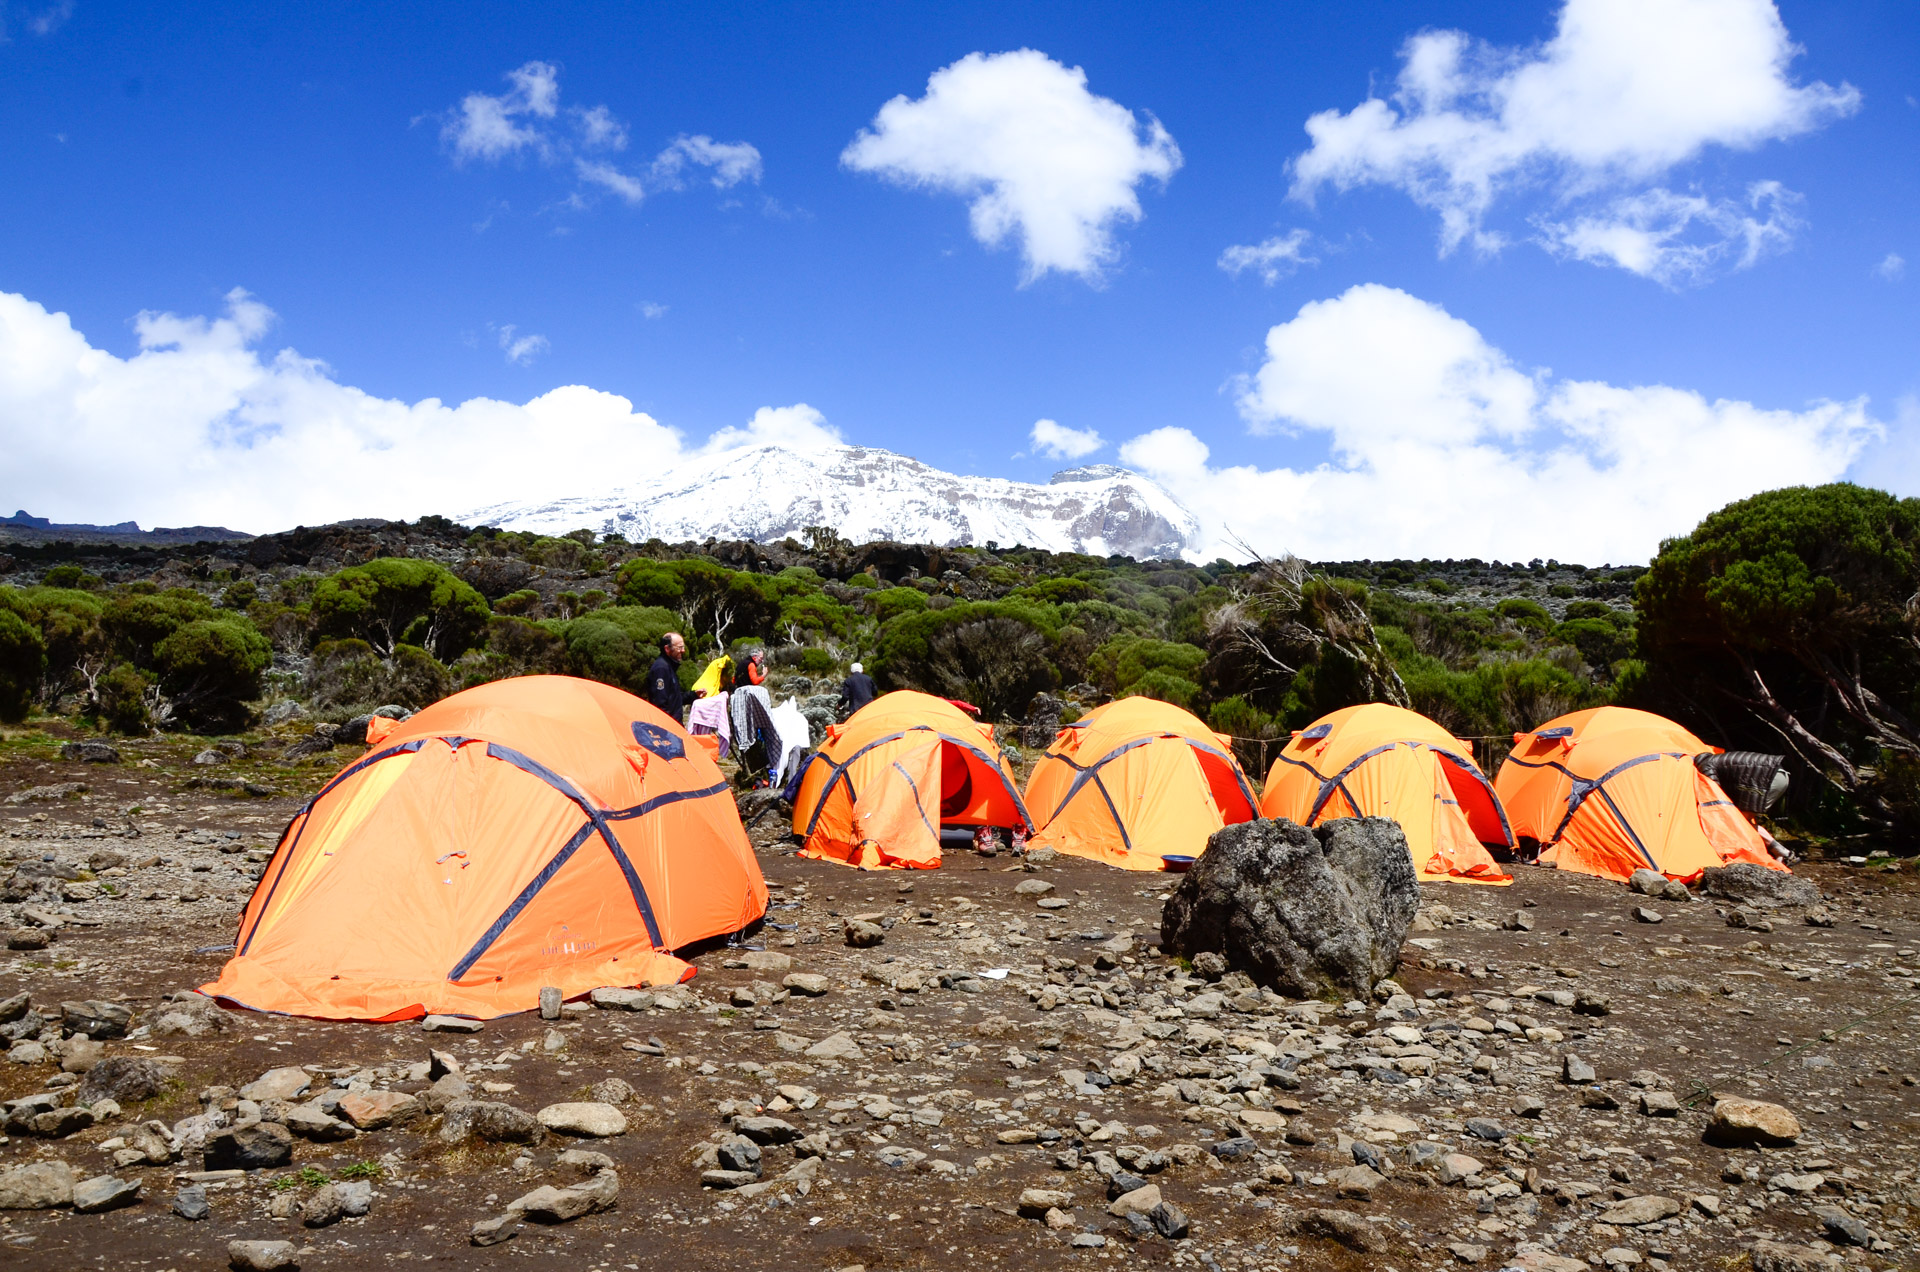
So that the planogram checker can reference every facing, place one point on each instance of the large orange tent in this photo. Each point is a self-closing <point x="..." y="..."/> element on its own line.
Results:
<point x="1379" y="760"/>
<point x="881" y="786"/>
<point x="1612" y="790"/>
<point x="529" y="832"/>
<point x="1135" y="781"/>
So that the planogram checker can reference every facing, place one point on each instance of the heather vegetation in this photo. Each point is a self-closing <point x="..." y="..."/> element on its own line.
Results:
<point x="1784" y="623"/>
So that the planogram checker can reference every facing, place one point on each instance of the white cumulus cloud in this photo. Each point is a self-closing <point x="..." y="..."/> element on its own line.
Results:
<point x="727" y="163"/>
<point x="1057" y="441"/>
<point x="1036" y="155"/>
<point x="1441" y="446"/>
<point x="204" y="426"/>
<point x="1624" y="92"/>
<point x="1892" y="268"/>
<point x="1272" y="259"/>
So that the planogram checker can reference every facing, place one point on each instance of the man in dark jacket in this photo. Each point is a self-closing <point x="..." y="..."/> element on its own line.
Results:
<point x="857" y="690"/>
<point x="663" y="687"/>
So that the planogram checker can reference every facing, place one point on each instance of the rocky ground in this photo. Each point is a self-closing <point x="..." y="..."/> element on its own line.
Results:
<point x="1009" y="1073"/>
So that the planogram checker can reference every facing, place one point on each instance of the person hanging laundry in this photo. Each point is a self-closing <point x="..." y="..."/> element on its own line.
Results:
<point x="856" y="691"/>
<point x="663" y="688"/>
<point x="754" y="670"/>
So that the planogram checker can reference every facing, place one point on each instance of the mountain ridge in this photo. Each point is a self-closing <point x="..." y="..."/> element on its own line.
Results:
<point x="769" y="491"/>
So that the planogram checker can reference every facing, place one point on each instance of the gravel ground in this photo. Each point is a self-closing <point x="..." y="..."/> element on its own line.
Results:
<point x="996" y="1040"/>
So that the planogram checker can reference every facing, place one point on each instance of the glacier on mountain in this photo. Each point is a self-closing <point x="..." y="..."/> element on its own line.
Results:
<point x="769" y="491"/>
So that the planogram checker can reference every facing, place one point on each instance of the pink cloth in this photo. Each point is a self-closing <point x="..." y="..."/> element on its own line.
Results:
<point x="709" y="715"/>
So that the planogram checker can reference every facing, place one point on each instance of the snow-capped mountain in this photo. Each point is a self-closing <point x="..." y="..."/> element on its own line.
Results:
<point x="767" y="492"/>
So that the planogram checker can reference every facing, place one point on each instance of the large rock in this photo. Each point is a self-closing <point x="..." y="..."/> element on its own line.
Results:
<point x="1745" y="1123"/>
<point x="104" y="1192"/>
<point x="39" y="1186"/>
<point x="122" y="1079"/>
<point x="1749" y="884"/>
<point x="595" y="1121"/>
<point x="261" y="1256"/>
<point x="1776" y="1256"/>
<point x="490" y="1121"/>
<point x="96" y="1018"/>
<point x="256" y="1146"/>
<point x="1043" y="721"/>
<point x="557" y="1205"/>
<point x="1310" y="913"/>
<point x="277" y="1084"/>
<point x="89" y="752"/>
<point x="372" y="1110"/>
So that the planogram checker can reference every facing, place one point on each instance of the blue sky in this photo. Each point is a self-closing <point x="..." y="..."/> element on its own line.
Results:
<point x="321" y="159"/>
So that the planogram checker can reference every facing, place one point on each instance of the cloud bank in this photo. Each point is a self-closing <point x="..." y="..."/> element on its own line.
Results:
<point x="1625" y="92"/>
<point x="1036" y="156"/>
<point x="1442" y="447"/>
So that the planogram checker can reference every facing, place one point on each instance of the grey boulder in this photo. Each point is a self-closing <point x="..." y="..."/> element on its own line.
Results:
<point x="1748" y="884"/>
<point x="1310" y="913"/>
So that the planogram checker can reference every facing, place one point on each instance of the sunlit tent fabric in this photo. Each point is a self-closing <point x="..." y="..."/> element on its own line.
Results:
<point x="1612" y="790"/>
<point x="881" y="786"/>
<point x="1379" y="760"/>
<point x="529" y="832"/>
<point x="1135" y="781"/>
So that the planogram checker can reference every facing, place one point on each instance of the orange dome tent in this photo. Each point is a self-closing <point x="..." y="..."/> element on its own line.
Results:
<point x="1135" y="781"/>
<point x="1379" y="760"/>
<point x="529" y="832"/>
<point x="1612" y="790"/>
<point x="881" y="786"/>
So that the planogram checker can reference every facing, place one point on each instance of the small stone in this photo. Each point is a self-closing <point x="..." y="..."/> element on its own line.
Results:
<point x="1169" y="1221"/>
<point x="1635" y="1211"/>
<point x="452" y="1024"/>
<point x="97" y="1018"/>
<point x="1355" y="1181"/>
<point x="373" y="1110"/>
<point x="807" y="984"/>
<point x="1232" y="1150"/>
<point x="550" y="1002"/>
<point x="861" y="934"/>
<point x="1519" y="921"/>
<point x="322" y="1208"/>
<point x="612" y="1091"/>
<point x="1588" y="1003"/>
<point x="1644" y="915"/>
<point x="309" y="1123"/>
<point x="1467" y="1252"/>
<point x="259" y="1146"/>
<point x="594" y="1121"/>
<point x="1648" y="883"/>
<point x="1841" y="1227"/>
<point x="261" y="1256"/>
<point x="1659" y="1104"/>
<point x="839" y="1046"/>
<point x="728" y="1179"/>
<point x="1576" y="1072"/>
<point x="1032" y="888"/>
<point x="766" y="1130"/>
<point x="766" y="961"/>
<point x="557" y="1205"/>
<point x="122" y="1079"/>
<point x="104" y="1192"/>
<point x="1737" y="1123"/>
<point x="190" y="1203"/>
<point x="1485" y="1128"/>
<point x="493" y="1231"/>
<point x="80" y="1053"/>
<point x="610" y="999"/>
<point x="1139" y="1201"/>
<point x="1036" y="1202"/>
<point x="739" y="1155"/>
<point x="1777" y="1256"/>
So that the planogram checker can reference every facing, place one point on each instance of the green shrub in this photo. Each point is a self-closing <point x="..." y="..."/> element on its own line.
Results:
<point x="1521" y="612"/>
<point x="891" y="603"/>
<point x="120" y="700"/>
<point x="517" y="602"/>
<point x="395" y="600"/>
<point x="210" y="668"/>
<point x="864" y="581"/>
<point x="23" y="660"/>
<point x="816" y="661"/>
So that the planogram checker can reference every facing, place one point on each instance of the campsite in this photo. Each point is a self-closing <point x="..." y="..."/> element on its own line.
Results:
<point x="703" y="1035"/>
